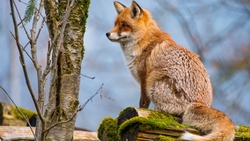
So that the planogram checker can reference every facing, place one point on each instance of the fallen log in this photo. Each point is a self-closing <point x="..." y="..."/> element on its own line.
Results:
<point x="18" y="133"/>
<point x="10" y="116"/>
<point x="146" y="125"/>
<point x="13" y="125"/>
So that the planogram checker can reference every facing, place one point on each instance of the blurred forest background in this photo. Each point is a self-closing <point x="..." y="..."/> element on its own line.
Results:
<point x="217" y="30"/>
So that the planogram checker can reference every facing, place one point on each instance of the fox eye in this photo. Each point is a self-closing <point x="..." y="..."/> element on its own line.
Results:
<point x="124" y="25"/>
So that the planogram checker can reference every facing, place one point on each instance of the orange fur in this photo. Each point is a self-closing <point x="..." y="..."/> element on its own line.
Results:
<point x="170" y="76"/>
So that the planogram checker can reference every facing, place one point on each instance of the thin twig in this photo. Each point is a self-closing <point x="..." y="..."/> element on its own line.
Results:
<point x="23" y="2"/>
<point x="74" y="72"/>
<point x="26" y="45"/>
<point x="40" y="29"/>
<point x="92" y="96"/>
<point x="21" y="21"/>
<point x="26" y="119"/>
<point x="33" y="42"/>
<point x="80" y="107"/>
<point x="41" y="82"/>
<point x="87" y="76"/>
<point x="47" y="68"/>
<point x="27" y="34"/>
<point x="23" y="62"/>
<point x="21" y="46"/>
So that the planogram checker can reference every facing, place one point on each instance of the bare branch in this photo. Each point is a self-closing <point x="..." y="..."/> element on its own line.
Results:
<point x="26" y="119"/>
<point x="40" y="29"/>
<point x="27" y="34"/>
<point x="26" y="45"/>
<point x="22" y="47"/>
<point x="23" y="2"/>
<point x="93" y="96"/>
<point x="22" y="20"/>
<point x="47" y="68"/>
<point x="33" y="42"/>
<point x="41" y="81"/>
<point x="23" y="61"/>
<point x="87" y="76"/>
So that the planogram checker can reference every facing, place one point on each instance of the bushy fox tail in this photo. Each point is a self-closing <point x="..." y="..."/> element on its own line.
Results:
<point x="210" y="137"/>
<point x="214" y="124"/>
<point x="193" y="137"/>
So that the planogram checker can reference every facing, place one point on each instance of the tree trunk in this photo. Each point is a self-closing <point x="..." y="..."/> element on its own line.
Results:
<point x="67" y="44"/>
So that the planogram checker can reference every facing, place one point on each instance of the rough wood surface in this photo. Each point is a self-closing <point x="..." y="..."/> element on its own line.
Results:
<point x="17" y="133"/>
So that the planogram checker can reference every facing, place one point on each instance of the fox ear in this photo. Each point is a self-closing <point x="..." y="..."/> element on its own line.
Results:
<point x="136" y="10"/>
<point x="119" y="7"/>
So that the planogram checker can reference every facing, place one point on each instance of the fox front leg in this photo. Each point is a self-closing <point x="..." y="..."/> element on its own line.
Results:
<point x="144" y="100"/>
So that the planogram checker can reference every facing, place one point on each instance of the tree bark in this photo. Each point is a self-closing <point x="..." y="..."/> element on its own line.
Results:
<point x="67" y="44"/>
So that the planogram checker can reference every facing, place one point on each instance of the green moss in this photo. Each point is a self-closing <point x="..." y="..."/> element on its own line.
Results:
<point x="156" y="120"/>
<point x="74" y="104"/>
<point x="167" y="138"/>
<point x="164" y="138"/>
<point x="83" y="11"/>
<point x="27" y="113"/>
<point x="244" y="131"/>
<point x="108" y="129"/>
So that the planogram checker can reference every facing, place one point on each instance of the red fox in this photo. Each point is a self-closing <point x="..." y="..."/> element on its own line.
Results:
<point x="170" y="76"/>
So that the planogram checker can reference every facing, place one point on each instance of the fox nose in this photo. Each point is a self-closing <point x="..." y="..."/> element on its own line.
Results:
<point x="107" y="34"/>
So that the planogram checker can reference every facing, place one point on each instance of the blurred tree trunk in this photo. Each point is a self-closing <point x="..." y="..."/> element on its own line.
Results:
<point x="66" y="23"/>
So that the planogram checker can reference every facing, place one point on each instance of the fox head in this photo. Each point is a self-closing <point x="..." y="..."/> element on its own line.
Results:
<point x="130" y="24"/>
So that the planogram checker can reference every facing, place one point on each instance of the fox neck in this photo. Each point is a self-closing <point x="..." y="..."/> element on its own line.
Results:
<point x="130" y="55"/>
<point x="135" y="47"/>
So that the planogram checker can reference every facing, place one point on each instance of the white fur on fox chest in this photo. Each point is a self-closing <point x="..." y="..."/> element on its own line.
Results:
<point x="130" y="55"/>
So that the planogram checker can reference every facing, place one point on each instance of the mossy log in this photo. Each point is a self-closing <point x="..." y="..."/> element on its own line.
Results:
<point x="10" y="116"/>
<point x="146" y="125"/>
